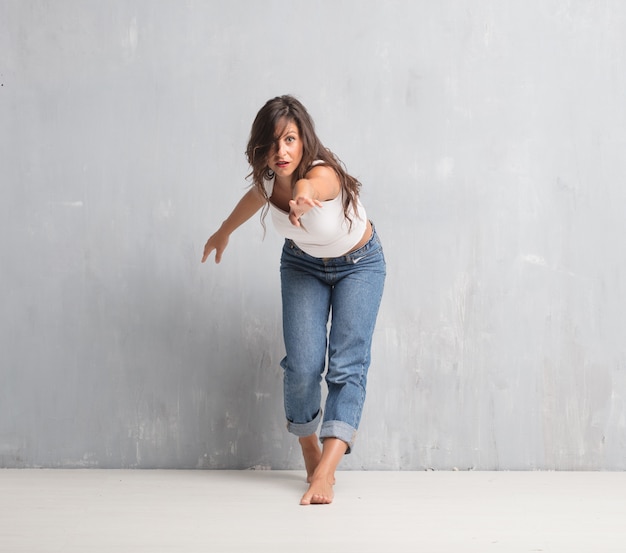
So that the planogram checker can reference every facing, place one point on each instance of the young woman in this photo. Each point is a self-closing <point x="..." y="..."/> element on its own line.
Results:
<point x="332" y="264"/>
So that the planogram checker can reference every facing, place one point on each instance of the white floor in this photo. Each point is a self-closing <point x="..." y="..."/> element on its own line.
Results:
<point x="97" y="511"/>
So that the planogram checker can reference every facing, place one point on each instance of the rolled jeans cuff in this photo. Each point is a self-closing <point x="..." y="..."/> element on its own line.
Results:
<point x="305" y="429"/>
<point x="341" y="430"/>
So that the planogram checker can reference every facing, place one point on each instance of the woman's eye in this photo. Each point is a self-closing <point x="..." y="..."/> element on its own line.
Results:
<point x="289" y="139"/>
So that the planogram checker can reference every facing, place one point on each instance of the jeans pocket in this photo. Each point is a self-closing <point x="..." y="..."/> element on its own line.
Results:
<point x="363" y="256"/>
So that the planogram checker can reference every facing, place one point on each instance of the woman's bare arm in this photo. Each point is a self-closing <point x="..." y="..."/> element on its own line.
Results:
<point x="249" y="204"/>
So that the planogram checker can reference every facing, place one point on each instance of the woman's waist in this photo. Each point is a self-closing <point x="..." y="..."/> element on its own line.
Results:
<point x="367" y="235"/>
<point x="365" y="246"/>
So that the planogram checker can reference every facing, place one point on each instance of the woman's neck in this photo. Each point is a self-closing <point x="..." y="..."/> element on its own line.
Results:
<point x="283" y="184"/>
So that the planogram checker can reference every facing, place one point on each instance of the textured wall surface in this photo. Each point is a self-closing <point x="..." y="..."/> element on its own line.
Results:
<point x="489" y="138"/>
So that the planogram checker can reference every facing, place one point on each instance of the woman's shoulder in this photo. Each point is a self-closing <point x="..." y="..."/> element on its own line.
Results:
<point x="319" y="169"/>
<point x="325" y="180"/>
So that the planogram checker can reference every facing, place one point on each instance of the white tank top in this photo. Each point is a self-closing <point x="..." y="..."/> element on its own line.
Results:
<point x="325" y="231"/>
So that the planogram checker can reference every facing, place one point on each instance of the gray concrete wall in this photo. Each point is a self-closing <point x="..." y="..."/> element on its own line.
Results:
<point x="489" y="138"/>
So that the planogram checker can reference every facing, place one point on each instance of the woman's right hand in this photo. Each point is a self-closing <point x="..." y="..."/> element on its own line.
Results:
<point x="251" y="202"/>
<point x="217" y="242"/>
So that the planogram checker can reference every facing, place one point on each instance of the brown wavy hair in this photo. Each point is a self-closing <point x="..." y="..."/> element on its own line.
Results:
<point x="262" y="137"/>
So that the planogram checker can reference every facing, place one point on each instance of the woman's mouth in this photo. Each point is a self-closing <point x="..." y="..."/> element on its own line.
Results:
<point x="282" y="164"/>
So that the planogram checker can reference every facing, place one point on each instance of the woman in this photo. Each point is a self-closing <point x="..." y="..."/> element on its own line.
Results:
<point x="332" y="264"/>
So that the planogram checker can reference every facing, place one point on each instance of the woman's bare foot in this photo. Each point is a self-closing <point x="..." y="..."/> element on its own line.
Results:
<point x="312" y="454"/>
<point x="322" y="479"/>
<point x="320" y="491"/>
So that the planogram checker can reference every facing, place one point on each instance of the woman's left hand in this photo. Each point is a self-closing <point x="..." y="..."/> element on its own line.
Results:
<point x="299" y="206"/>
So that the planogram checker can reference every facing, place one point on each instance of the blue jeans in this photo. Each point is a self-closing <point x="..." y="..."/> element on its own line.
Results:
<point x="349" y="290"/>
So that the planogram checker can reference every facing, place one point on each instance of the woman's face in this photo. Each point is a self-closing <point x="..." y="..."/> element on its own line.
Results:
<point x="286" y="153"/>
